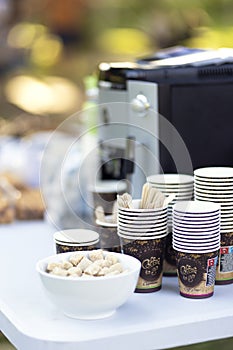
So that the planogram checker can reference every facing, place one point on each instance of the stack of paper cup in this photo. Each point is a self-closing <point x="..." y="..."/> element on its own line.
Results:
<point x="178" y="184"/>
<point x="215" y="184"/>
<point x="182" y="186"/>
<point x="142" y="234"/>
<point x="196" y="239"/>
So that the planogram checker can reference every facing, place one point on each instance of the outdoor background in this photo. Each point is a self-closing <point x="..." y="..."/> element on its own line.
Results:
<point x="50" y="51"/>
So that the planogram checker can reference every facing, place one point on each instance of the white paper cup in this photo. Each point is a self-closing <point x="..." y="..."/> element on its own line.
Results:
<point x="173" y="189"/>
<point x="195" y="244"/>
<point x="210" y="191"/>
<point x="141" y="230"/>
<point x="226" y="221"/>
<point x="196" y="228"/>
<point x="197" y="224"/>
<point x="226" y="231"/>
<point x="197" y="234"/>
<point x="215" y="199"/>
<point x="141" y="221"/>
<point x="196" y="251"/>
<point x="171" y="179"/>
<point x="221" y="192"/>
<point x="142" y="226"/>
<point x="141" y="236"/>
<point x="216" y="181"/>
<point x="227" y="227"/>
<point x="206" y="198"/>
<point x="215" y="172"/>
<point x="136" y="229"/>
<point x="197" y="238"/>
<point x="196" y="208"/>
<point x="213" y="186"/>
<point x="215" y="244"/>
<point x="141" y="216"/>
<point x="178" y="191"/>
<point x="191" y="223"/>
<point x="225" y="213"/>
<point x="226" y="224"/>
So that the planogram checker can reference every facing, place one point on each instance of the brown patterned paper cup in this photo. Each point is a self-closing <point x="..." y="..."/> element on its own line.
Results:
<point x="151" y="254"/>
<point x="65" y="248"/>
<point x="169" y="263"/>
<point x="196" y="274"/>
<point x="224" y="273"/>
<point x="73" y="240"/>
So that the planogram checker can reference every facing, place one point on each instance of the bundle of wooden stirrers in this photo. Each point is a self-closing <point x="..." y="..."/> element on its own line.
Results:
<point x="151" y="199"/>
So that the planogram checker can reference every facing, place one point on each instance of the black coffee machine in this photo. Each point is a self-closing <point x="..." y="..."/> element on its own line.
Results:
<point x="177" y="109"/>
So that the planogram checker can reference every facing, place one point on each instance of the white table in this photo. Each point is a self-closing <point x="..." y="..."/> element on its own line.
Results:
<point x="147" y="321"/>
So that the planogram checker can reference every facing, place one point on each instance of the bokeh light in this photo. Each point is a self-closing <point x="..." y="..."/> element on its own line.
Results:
<point x="212" y="37"/>
<point x="52" y="95"/>
<point x="23" y="34"/>
<point x="46" y="50"/>
<point x="124" y="41"/>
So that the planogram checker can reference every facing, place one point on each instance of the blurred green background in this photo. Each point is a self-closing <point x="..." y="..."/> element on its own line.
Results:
<point x="50" y="50"/>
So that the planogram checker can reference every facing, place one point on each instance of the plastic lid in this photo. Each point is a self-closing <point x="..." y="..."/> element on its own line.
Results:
<point x="76" y="236"/>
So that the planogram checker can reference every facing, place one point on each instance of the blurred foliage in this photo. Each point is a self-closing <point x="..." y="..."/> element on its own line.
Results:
<point x="70" y="38"/>
<point x="166" y="22"/>
<point x="82" y="22"/>
<point x="212" y="37"/>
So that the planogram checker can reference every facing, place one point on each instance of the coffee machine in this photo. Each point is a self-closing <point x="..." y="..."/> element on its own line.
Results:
<point x="165" y="114"/>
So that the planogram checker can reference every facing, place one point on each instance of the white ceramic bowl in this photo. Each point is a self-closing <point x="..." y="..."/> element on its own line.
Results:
<point x="90" y="297"/>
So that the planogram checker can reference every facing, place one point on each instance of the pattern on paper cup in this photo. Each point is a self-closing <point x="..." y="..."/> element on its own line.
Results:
<point x="196" y="274"/>
<point x="64" y="248"/>
<point x="224" y="274"/>
<point x="190" y="272"/>
<point x="211" y="271"/>
<point x="151" y="254"/>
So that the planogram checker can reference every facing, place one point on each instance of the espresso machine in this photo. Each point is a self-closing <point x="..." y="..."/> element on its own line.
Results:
<point x="165" y="114"/>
